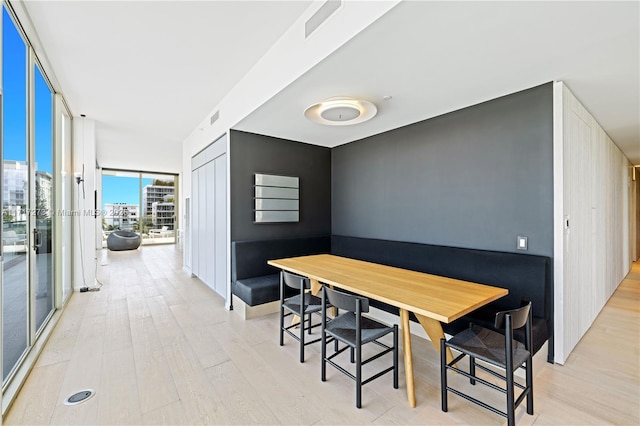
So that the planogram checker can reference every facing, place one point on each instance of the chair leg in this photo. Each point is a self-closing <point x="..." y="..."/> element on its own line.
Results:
<point x="353" y="358"/>
<point x="358" y="376"/>
<point x="309" y="329"/>
<point x="443" y="374"/>
<point x="529" y="385"/>
<point x="472" y="369"/>
<point x="323" y="353"/>
<point x="395" y="356"/>
<point x="301" y="338"/>
<point x="511" y="416"/>
<point x="281" y="326"/>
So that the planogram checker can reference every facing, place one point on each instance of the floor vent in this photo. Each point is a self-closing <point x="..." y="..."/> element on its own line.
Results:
<point x="321" y="15"/>
<point x="79" y="397"/>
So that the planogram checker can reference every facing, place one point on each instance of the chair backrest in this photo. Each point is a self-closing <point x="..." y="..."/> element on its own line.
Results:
<point x="519" y="316"/>
<point x="345" y="301"/>
<point x="295" y="281"/>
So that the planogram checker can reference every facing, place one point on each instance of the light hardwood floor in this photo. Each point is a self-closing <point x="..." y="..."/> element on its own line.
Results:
<point x="158" y="347"/>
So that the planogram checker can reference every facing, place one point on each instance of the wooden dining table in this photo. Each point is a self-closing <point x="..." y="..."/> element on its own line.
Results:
<point x="432" y="299"/>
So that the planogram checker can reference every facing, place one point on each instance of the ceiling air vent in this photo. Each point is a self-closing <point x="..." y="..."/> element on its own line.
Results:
<point x="214" y="117"/>
<point x="326" y="10"/>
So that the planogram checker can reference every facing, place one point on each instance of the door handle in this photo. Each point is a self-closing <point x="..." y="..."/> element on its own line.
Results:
<point x="36" y="239"/>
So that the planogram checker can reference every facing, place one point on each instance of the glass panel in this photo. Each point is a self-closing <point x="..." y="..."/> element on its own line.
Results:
<point x="14" y="196"/>
<point x="120" y="202"/>
<point x="124" y="192"/>
<point x="43" y="273"/>
<point x="158" y="208"/>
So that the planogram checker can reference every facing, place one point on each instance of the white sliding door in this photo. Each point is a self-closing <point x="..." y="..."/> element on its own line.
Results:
<point x="220" y="224"/>
<point x="195" y="223"/>
<point x="187" y="232"/>
<point x="209" y="217"/>
<point x="205" y="237"/>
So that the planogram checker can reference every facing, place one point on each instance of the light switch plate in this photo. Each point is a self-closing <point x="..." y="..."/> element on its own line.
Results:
<point x="522" y="243"/>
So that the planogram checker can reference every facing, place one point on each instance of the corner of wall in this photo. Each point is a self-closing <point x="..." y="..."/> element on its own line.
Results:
<point x="558" y="211"/>
<point x="84" y="160"/>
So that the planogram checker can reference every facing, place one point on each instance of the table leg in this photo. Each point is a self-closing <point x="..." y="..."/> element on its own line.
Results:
<point x="434" y="331"/>
<point x="408" y="359"/>
<point x="315" y="286"/>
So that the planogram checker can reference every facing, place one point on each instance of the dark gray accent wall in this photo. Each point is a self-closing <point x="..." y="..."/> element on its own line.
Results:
<point x="476" y="178"/>
<point x="251" y="153"/>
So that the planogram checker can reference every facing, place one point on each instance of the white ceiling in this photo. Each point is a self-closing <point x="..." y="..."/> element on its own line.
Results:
<point x="148" y="72"/>
<point x="436" y="57"/>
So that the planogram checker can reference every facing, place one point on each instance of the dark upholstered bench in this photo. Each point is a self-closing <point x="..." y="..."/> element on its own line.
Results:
<point x="525" y="276"/>
<point x="255" y="282"/>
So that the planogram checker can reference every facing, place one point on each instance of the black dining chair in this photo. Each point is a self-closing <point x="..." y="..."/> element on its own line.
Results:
<point x="303" y="304"/>
<point x="354" y="330"/>
<point x="496" y="349"/>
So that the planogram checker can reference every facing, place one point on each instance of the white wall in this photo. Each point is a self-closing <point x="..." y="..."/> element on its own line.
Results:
<point x="164" y="158"/>
<point x="84" y="225"/>
<point x="592" y="233"/>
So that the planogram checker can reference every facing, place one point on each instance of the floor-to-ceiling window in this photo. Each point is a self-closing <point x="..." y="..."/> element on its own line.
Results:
<point x="15" y="196"/>
<point x="36" y="154"/>
<point x="140" y="202"/>
<point x="43" y="202"/>
<point x="120" y="201"/>
<point x="158" y="208"/>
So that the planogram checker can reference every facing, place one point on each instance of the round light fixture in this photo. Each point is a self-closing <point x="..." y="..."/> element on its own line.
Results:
<point x="341" y="111"/>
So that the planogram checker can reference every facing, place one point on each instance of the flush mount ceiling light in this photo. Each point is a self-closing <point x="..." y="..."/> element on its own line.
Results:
<point x="341" y="111"/>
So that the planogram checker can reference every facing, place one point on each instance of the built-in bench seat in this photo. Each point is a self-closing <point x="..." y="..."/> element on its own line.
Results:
<point x="525" y="276"/>
<point x="255" y="282"/>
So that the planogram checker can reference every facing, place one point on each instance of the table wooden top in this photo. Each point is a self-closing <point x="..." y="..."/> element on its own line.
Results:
<point x="443" y="299"/>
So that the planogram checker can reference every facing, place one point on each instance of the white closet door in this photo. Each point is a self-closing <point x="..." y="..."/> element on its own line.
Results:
<point x="209" y="216"/>
<point x="220" y="224"/>
<point x="187" y="232"/>
<point x="578" y="257"/>
<point x="202" y="225"/>
<point x="195" y="222"/>
<point x="209" y="220"/>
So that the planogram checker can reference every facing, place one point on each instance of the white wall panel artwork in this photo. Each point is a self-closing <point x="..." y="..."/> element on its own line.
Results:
<point x="276" y="198"/>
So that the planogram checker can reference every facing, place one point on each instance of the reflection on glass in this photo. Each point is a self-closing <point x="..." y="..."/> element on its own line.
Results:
<point x="15" y="197"/>
<point x="44" y="209"/>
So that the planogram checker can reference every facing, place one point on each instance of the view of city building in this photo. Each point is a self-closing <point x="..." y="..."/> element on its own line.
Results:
<point x="158" y="202"/>
<point x="15" y="175"/>
<point x="140" y="203"/>
<point x="121" y="216"/>
<point x="44" y="194"/>
<point x="14" y="190"/>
